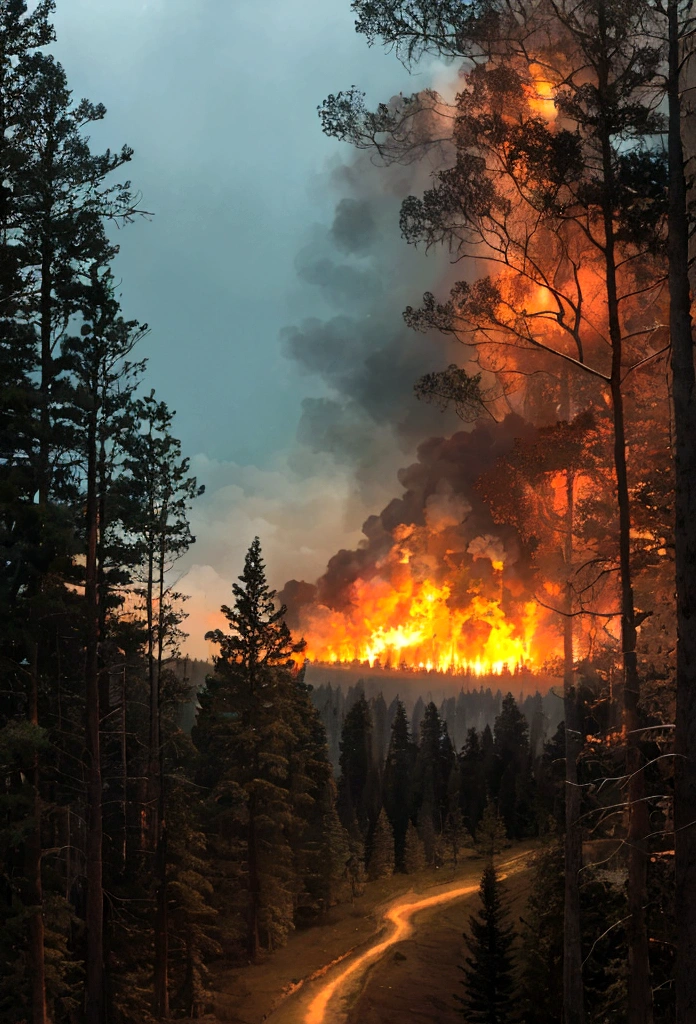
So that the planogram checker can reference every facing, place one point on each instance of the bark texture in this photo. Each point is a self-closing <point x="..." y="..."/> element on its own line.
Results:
<point x="681" y="335"/>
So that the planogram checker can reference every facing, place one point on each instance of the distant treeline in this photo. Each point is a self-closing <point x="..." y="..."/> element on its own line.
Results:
<point x="469" y="709"/>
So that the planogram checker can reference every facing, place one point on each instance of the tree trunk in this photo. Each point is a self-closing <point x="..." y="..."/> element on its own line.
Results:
<point x="161" y="1005"/>
<point x="684" y="395"/>
<point x="573" y="993"/>
<point x="94" y="967"/>
<point x="33" y="848"/>
<point x="34" y="889"/>
<point x="254" y="888"/>
<point x="124" y="777"/>
<point x="639" y="986"/>
<point x="161" y="917"/>
<point x="153" y="766"/>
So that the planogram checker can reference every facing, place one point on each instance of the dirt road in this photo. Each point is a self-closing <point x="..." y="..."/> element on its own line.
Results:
<point x="328" y="999"/>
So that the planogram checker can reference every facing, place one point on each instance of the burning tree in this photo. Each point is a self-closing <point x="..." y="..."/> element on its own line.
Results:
<point x="554" y="182"/>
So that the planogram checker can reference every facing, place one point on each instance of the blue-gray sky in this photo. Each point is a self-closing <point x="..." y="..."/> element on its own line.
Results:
<point x="218" y="98"/>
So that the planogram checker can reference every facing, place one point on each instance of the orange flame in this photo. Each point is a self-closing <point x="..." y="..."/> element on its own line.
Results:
<point x="442" y="610"/>
<point x="542" y="93"/>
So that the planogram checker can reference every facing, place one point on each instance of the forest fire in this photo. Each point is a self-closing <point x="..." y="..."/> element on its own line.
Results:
<point x="416" y="628"/>
<point x="436" y="585"/>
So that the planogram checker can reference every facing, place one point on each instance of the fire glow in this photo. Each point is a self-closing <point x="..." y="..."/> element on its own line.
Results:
<point x="417" y="629"/>
<point x="430" y="607"/>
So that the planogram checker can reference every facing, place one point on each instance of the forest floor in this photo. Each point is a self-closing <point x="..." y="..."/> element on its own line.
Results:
<point x="413" y="978"/>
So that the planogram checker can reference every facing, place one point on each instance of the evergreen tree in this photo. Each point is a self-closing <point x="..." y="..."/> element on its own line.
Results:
<point x="541" y="946"/>
<point x="398" y="772"/>
<point x="489" y="968"/>
<point x="381" y="731"/>
<point x="381" y="863"/>
<point x="491" y="836"/>
<point x="512" y="782"/>
<point x="356" y="764"/>
<point x="192" y="921"/>
<point x="156" y="493"/>
<point x="472" y="781"/>
<point x="455" y="835"/>
<point x="333" y="858"/>
<point x="417" y="718"/>
<point x="53" y="204"/>
<point x="245" y="738"/>
<point x="414" y="853"/>
<point x="434" y="764"/>
<point x="355" y="867"/>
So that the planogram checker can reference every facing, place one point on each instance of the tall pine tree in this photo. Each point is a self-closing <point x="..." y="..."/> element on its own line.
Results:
<point x="489" y="969"/>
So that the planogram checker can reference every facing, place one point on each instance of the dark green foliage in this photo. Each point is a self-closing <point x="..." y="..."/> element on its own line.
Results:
<point x="381" y="863"/>
<point x="264" y="765"/>
<point x="491" y="836"/>
<point x="541" y="946"/>
<point x="472" y="783"/>
<point x="398" y="781"/>
<point x="433" y="766"/>
<point x="489" y="969"/>
<point x="356" y="764"/>
<point x="512" y="782"/>
<point x="414" y="853"/>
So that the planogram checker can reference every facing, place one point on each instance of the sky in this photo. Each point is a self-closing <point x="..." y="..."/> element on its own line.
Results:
<point x="271" y="272"/>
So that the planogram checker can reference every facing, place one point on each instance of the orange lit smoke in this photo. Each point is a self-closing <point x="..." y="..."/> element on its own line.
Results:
<point x="436" y="601"/>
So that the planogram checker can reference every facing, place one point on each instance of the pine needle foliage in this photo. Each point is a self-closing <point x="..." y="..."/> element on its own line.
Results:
<point x="264" y="764"/>
<point x="489" y="969"/>
<point x="382" y="858"/>
<point x="414" y="854"/>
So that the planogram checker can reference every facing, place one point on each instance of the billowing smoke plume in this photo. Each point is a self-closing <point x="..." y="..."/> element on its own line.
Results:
<point x="361" y="352"/>
<point x="435" y="581"/>
<point x="440" y="495"/>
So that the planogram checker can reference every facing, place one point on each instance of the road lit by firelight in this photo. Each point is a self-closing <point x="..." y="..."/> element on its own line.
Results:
<point x="399" y="917"/>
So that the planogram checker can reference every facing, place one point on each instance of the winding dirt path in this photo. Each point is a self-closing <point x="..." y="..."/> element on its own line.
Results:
<point x="327" y="1004"/>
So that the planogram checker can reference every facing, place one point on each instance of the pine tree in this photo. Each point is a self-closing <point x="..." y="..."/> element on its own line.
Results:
<point x="417" y="718"/>
<point x="355" y="867"/>
<point x="414" y="854"/>
<point x="381" y="864"/>
<point x="489" y="971"/>
<point x="192" y="920"/>
<point x="472" y="780"/>
<point x="381" y="733"/>
<point x="356" y="764"/>
<point x="491" y="836"/>
<point x="244" y="733"/>
<point x="541" y="946"/>
<point x="434" y="764"/>
<point x="512" y="782"/>
<point x="155" y="497"/>
<point x="455" y="835"/>
<point x="398" y="771"/>
<point x="334" y="855"/>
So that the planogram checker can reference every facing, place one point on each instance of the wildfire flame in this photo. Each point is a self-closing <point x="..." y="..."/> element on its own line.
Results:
<point x="404" y="616"/>
<point x="541" y="96"/>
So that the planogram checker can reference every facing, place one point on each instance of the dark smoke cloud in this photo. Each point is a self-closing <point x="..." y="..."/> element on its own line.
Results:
<point x="355" y="226"/>
<point x="440" y="493"/>
<point x="361" y="352"/>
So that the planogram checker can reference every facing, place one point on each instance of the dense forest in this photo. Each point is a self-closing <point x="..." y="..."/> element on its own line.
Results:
<point x="160" y="818"/>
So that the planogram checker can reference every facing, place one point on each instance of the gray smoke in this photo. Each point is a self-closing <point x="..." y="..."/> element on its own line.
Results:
<point x="361" y="351"/>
